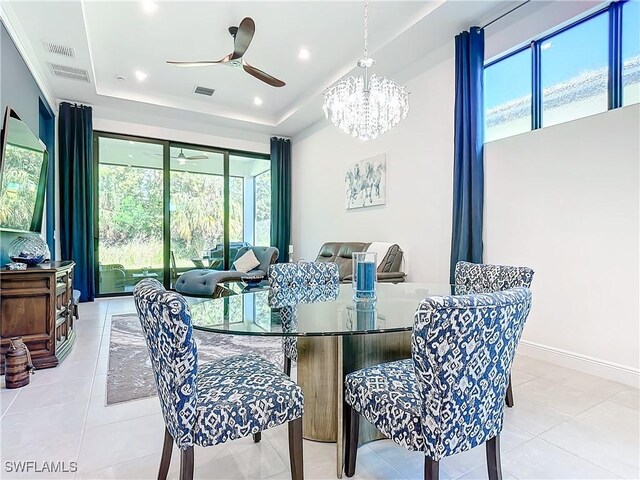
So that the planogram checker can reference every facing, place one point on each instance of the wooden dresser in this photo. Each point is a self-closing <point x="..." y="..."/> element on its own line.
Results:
<point x="37" y="305"/>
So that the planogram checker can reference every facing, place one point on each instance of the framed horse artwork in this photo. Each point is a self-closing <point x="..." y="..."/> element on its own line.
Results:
<point x="365" y="182"/>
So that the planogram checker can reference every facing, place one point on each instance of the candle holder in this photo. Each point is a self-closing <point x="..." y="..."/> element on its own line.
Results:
<point x="365" y="276"/>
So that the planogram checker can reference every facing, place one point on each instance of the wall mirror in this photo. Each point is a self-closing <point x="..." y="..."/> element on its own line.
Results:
<point x="23" y="176"/>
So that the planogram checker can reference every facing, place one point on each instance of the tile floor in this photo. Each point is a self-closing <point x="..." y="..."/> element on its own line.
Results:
<point x="565" y="425"/>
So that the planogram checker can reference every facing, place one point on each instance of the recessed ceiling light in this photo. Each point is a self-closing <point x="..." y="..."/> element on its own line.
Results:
<point x="257" y="101"/>
<point x="140" y="75"/>
<point x="304" y="54"/>
<point x="130" y="156"/>
<point x="149" y="6"/>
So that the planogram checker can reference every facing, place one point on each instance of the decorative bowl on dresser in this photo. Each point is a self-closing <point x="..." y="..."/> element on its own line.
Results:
<point x="37" y="305"/>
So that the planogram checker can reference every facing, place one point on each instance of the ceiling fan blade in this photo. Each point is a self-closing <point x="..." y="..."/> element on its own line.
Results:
<point x="260" y="75"/>
<point x="198" y="157"/>
<point x="204" y="63"/>
<point x="243" y="37"/>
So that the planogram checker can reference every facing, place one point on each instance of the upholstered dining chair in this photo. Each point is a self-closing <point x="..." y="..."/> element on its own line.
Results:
<point x="449" y="397"/>
<point x="484" y="278"/>
<point x="210" y="404"/>
<point x="301" y="282"/>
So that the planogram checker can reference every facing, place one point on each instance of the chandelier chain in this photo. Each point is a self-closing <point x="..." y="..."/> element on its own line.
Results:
<point x="366" y="29"/>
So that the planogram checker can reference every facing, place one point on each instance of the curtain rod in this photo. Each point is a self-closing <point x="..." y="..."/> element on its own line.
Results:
<point x="505" y="14"/>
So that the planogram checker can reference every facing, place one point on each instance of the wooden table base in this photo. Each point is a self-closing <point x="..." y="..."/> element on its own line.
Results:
<point x="323" y="363"/>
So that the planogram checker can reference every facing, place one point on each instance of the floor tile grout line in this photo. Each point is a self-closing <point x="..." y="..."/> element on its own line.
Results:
<point x="583" y="391"/>
<point x="572" y="453"/>
<point x="121" y="463"/>
<point x="86" y="412"/>
<point x="615" y="475"/>
<point x="385" y="460"/>
<point x="36" y="409"/>
<point x="92" y="427"/>
<point x="11" y="403"/>
<point x="570" y="415"/>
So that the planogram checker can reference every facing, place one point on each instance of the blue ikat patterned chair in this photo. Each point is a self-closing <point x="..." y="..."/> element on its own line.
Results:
<point x="302" y="282"/>
<point x="212" y="403"/>
<point x="486" y="278"/>
<point x="449" y="397"/>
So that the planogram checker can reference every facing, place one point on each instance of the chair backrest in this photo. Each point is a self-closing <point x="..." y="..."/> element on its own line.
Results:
<point x="166" y="322"/>
<point x="484" y="278"/>
<point x="462" y="349"/>
<point x="303" y="275"/>
<point x="265" y="255"/>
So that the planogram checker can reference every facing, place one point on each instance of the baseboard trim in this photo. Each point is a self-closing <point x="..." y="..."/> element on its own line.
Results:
<point x="583" y="363"/>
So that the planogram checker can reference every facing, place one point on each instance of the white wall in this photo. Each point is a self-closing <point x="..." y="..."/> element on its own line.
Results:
<point x="564" y="200"/>
<point x="417" y="215"/>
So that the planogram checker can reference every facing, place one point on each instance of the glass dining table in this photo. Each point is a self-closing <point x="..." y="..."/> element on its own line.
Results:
<point x="335" y="335"/>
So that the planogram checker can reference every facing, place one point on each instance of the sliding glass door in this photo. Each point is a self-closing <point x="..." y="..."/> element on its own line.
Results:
<point x="165" y="208"/>
<point x="130" y="212"/>
<point x="250" y="195"/>
<point x="196" y="209"/>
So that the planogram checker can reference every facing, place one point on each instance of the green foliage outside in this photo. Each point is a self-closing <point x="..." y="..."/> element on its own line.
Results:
<point x="263" y="209"/>
<point x="131" y="214"/>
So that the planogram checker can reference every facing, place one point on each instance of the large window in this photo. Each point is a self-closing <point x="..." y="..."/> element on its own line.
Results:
<point x="574" y="68"/>
<point x="165" y="208"/>
<point x="581" y="69"/>
<point x="508" y="96"/>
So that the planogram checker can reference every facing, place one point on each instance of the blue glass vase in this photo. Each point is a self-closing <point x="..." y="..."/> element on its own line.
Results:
<point x="365" y="275"/>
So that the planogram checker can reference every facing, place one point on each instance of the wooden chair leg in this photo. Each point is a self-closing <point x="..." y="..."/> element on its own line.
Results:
<point x="351" y="427"/>
<point x="509" y="397"/>
<point x="165" y="460"/>
<point x="431" y="469"/>
<point x="257" y="437"/>
<point x="287" y="366"/>
<point x="295" y="449"/>
<point x="493" y="458"/>
<point x="186" y="464"/>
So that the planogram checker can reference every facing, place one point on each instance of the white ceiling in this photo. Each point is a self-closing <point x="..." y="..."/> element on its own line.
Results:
<point x="113" y="38"/>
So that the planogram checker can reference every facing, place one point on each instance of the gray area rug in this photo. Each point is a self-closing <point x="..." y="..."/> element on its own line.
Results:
<point x="130" y="376"/>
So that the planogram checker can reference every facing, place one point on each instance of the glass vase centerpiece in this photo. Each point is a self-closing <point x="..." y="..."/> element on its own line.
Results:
<point x="29" y="249"/>
<point x="365" y="276"/>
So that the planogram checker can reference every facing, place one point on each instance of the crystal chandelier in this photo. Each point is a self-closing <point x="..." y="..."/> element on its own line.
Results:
<point x="366" y="107"/>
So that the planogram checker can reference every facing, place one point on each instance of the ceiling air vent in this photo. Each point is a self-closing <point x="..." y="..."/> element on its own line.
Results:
<point x="204" y="91"/>
<point x="63" y="50"/>
<point x="70" y="73"/>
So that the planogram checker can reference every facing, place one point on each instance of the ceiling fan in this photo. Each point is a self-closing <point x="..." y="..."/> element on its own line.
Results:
<point x="182" y="158"/>
<point x="242" y="36"/>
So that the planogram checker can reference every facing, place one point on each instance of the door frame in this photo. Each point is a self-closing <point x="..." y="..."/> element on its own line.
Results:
<point x="166" y="195"/>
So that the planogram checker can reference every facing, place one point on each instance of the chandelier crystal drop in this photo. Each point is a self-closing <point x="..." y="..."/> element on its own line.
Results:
<point x="366" y="107"/>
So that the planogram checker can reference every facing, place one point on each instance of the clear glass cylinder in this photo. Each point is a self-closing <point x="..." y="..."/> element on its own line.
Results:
<point x="365" y="275"/>
<point x="366" y="313"/>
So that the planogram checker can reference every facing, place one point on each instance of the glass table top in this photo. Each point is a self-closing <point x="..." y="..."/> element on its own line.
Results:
<point x="315" y="312"/>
